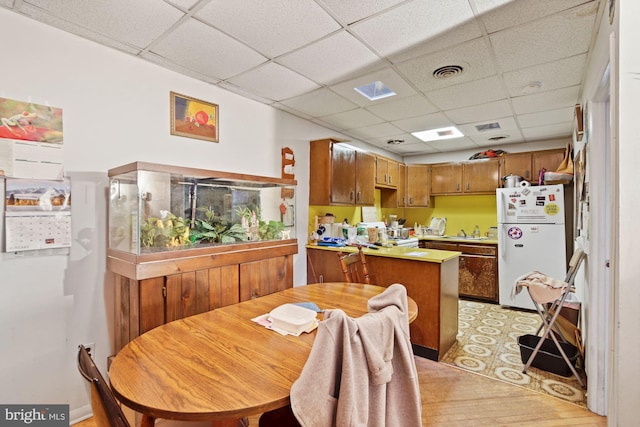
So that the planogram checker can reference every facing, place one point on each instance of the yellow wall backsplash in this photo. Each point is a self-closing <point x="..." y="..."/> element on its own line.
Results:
<point x="461" y="212"/>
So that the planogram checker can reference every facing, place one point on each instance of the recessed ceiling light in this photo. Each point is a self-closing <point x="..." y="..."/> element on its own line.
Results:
<point x="374" y="91"/>
<point x="437" y="134"/>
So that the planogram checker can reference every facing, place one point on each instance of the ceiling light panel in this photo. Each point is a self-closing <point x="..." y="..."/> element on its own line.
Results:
<point x="438" y="134"/>
<point x="375" y="91"/>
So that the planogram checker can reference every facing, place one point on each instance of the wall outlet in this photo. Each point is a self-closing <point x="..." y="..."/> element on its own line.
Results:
<point x="91" y="349"/>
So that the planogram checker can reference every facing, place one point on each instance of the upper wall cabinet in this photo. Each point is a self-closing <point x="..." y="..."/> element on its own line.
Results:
<point x="340" y="175"/>
<point x="474" y="177"/>
<point x="418" y="191"/>
<point x="387" y="172"/>
<point x="529" y="164"/>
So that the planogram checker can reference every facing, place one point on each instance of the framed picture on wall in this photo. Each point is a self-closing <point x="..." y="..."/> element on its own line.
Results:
<point x="194" y="118"/>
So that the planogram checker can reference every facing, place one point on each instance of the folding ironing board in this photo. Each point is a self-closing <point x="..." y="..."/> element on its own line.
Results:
<point x="549" y="311"/>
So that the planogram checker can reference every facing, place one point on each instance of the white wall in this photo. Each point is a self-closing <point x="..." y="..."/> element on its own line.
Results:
<point x="115" y="111"/>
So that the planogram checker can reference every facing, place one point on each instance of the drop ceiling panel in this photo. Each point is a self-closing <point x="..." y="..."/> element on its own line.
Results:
<point x="552" y="75"/>
<point x="550" y="100"/>
<point x="352" y="119"/>
<point x="411" y="106"/>
<point x="511" y="137"/>
<point x="557" y="130"/>
<point x="414" y="23"/>
<point x="561" y="115"/>
<point x="348" y="12"/>
<point x="420" y="123"/>
<point x="481" y="112"/>
<point x="380" y="130"/>
<point x="388" y="76"/>
<point x="456" y="144"/>
<point x="332" y="59"/>
<point x="473" y="56"/>
<point x="273" y="81"/>
<point x="500" y="14"/>
<point x="272" y="27"/>
<point x="537" y="42"/>
<point x="322" y="102"/>
<point x="411" y="149"/>
<point x="478" y="91"/>
<point x="220" y="57"/>
<point x="137" y="23"/>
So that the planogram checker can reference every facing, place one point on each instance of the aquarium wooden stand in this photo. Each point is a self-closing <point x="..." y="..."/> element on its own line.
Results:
<point x="154" y="289"/>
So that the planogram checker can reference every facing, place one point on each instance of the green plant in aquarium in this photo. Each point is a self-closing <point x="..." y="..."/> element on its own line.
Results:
<point x="214" y="229"/>
<point x="167" y="231"/>
<point x="265" y="230"/>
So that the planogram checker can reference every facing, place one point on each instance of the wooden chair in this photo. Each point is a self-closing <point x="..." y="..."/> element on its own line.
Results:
<point x="106" y="409"/>
<point x="354" y="267"/>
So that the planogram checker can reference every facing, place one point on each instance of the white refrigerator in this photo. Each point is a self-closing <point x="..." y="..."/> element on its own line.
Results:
<point x="531" y="237"/>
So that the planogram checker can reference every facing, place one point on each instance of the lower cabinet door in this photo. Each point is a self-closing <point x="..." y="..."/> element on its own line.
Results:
<point x="478" y="277"/>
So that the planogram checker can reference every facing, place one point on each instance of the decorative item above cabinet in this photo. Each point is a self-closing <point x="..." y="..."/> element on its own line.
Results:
<point x="340" y="175"/>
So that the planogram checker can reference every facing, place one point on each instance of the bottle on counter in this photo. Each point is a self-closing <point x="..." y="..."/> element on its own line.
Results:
<point x="476" y="232"/>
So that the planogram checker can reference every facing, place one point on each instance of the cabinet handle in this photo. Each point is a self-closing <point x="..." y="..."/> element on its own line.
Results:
<point x="526" y="174"/>
<point x="390" y="179"/>
<point x="351" y="195"/>
<point x="386" y="178"/>
<point x="468" y="185"/>
<point x="359" y="196"/>
<point x="410" y="200"/>
<point x="458" y="187"/>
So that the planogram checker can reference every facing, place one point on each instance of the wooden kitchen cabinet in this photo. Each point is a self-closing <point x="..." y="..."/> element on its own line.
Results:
<point x="446" y="178"/>
<point x="166" y="289"/>
<point x="418" y="186"/>
<point x="478" y="268"/>
<point x="395" y="198"/>
<point x="518" y="164"/>
<point x="528" y="164"/>
<point x="474" y="177"/>
<point x="339" y="175"/>
<point x="547" y="159"/>
<point x="481" y="176"/>
<point x="387" y="172"/>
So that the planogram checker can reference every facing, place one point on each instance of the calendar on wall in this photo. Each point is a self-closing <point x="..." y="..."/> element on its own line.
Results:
<point x="37" y="214"/>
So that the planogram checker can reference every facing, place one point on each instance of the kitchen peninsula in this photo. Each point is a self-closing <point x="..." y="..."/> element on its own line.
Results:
<point x="431" y="279"/>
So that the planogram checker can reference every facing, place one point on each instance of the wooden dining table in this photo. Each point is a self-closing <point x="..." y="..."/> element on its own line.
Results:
<point x="221" y="366"/>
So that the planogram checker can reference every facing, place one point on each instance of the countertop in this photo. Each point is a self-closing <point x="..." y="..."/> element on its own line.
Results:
<point x="455" y="239"/>
<point x="401" y="252"/>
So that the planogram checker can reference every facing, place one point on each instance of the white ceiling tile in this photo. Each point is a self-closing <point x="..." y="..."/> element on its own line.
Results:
<point x="411" y="106"/>
<point x="352" y="119"/>
<point x="168" y="64"/>
<point x="474" y="56"/>
<point x="550" y="100"/>
<point x="455" y="144"/>
<point x="242" y="92"/>
<point x="552" y="38"/>
<point x="500" y="14"/>
<point x="546" y="117"/>
<point x="379" y="130"/>
<point x="290" y="110"/>
<point x="420" y="123"/>
<point x="550" y="131"/>
<point x="351" y="11"/>
<point x="511" y="136"/>
<point x="414" y="23"/>
<point x="220" y="57"/>
<point x="552" y="75"/>
<point x="137" y="23"/>
<point x="273" y="81"/>
<point x="478" y="113"/>
<point x="272" y="27"/>
<point x="322" y="102"/>
<point x="388" y="76"/>
<point x="409" y="149"/>
<point x="465" y="94"/>
<point x="505" y="123"/>
<point x="332" y="59"/>
<point x="381" y="141"/>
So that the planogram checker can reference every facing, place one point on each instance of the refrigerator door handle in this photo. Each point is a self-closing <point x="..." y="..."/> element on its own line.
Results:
<point x="502" y="246"/>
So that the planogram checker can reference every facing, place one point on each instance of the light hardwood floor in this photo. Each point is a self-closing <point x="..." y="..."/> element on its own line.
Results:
<point x="453" y="397"/>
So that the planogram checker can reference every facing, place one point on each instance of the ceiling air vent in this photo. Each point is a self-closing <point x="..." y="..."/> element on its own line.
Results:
<point x="497" y="137"/>
<point x="448" y="71"/>
<point x="395" y="141"/>
<point x="488" y="126"/>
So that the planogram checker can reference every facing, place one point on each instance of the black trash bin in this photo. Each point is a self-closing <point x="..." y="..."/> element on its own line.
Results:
<point x="548" y="357"/>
